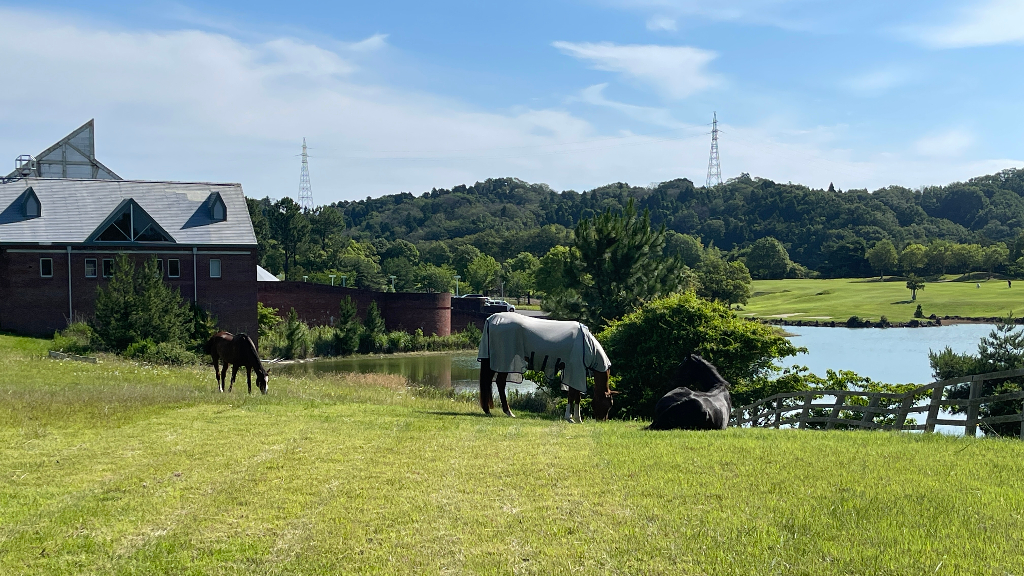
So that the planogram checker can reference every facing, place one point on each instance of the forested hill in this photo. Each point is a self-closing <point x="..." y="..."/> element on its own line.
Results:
<point x="825" y="230"/>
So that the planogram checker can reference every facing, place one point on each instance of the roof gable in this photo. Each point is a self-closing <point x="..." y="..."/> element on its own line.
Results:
<point x="128" y="224"/>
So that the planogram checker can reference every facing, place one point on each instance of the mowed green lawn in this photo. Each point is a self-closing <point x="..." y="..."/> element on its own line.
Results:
<point x="838" y="299"/>
<point x="116" y="468"/>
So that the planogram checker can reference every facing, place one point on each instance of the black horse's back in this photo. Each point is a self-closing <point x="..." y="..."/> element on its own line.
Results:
<point x="708" y="407"/>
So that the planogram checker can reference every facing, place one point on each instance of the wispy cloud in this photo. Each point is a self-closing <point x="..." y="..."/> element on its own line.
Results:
<point x="594" y="95"/>
<point x="781" y="13"/>
<point x="661" y="22"/>
<point x="877" y="82"/>
<point x="984" y="24"/>
<point x="675" y="71"/>
<point x="948" y="144"/>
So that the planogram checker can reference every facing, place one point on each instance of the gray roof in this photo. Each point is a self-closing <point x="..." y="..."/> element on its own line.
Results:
<point x="264" y="275"/>
<point x="73" y="210"/>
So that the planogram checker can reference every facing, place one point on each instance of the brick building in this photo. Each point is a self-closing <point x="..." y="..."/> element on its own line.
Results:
<point x="59" y="237"/>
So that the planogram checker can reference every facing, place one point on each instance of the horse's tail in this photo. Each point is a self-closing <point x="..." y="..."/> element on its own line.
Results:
<point x="486" y="376"/>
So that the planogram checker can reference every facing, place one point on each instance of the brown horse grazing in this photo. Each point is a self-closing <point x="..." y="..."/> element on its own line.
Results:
<point x="512" y="343"/>
<point x="237" y="351"/>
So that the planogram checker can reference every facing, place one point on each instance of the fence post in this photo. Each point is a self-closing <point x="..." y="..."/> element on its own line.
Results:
<point x="933" y="408"/>
<point x="973" y="407"/>
<point x="869" y="416"/>
<point x="905" y="406"/>
<point x="778" y="412"/>
<point x="807" y="410"/>
<point x="840" y="398"/>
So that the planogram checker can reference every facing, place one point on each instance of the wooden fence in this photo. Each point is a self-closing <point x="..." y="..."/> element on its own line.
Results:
<point x="882" y="411"/>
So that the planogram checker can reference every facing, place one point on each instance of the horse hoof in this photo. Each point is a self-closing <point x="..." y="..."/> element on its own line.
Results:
<point x="510" y="414"/>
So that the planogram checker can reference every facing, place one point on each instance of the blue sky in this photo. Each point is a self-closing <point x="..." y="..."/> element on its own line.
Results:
<point x="406" y="96"/>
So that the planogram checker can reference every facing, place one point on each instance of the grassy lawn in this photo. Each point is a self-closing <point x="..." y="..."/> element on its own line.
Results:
<point x="116" y="468"/>
<point x="839" y="299"/>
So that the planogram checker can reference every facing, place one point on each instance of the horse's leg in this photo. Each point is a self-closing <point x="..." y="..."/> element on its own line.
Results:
<point x="572" y="406"/>
<point x="216" y="372"/>
<point x="486" y="374"/>
<point x="502" y="376"/>
<point x="234" y="372"/>
<point x="248" y="378"/>
<point x="223" y="373"/>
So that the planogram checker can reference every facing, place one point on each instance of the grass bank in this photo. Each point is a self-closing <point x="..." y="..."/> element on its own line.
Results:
<point x="838" y="299"/>
<point x="127" y="469"/>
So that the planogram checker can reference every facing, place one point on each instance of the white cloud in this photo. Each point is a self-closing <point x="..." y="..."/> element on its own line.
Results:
<point x="375" y="42"/>
<point x="675" y="71"/>
<point x="198" y="105"/>
<point x="984" y="24"/>
<point x="661" y="22"/>
<point x="877" y="82"/>
<point x="946" y="144"/>
<point x="782" y="13"/>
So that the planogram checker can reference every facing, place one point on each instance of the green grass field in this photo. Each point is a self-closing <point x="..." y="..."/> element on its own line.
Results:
<point x="116" y="468"/>
<point x="838" y="299"/>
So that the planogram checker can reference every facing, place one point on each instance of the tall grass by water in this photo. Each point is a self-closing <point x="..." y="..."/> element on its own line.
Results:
<point x="121" y="467"/>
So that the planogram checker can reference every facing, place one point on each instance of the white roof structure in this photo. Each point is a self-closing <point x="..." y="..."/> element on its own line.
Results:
<point x="123" y="212"/>
<point x="74" y="156"/>
<point x="264" y="275"/>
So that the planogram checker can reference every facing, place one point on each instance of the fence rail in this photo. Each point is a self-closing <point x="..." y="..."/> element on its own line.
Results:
<point x="883" y="410"/>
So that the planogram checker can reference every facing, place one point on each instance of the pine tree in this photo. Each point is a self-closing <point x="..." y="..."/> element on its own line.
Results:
<point x="136" y="305"/>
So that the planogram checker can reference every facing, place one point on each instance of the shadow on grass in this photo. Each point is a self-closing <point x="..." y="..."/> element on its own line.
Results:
<point x="903" y="302"/>
<point x="450" y="413"/>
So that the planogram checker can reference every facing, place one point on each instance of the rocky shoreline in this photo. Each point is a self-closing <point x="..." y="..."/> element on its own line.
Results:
<point x="856" y="322"/>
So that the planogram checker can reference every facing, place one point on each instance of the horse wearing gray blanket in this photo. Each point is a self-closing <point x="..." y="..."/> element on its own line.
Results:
<point x="706" y="408"/>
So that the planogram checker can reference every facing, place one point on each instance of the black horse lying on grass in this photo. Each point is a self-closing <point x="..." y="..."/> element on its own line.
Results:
<point x="708" y="408"/>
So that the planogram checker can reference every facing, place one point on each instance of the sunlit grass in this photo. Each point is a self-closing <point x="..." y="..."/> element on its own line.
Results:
<point x="117" y="468"/>
<point x="838" y="299"/>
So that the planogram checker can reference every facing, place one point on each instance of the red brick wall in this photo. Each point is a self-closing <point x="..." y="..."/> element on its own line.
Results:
<point x="317" y="304"/>
<point x="33" y="305"/>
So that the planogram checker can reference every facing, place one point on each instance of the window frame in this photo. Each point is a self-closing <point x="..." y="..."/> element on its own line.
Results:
<point x="95" y="268"/>
<point x="49" y="261"/>
<point x="103" y="271"/>
<point x="220" y="268"/>
<point x="177" y="264"/>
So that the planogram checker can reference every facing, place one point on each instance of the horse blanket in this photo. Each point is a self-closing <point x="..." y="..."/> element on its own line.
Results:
<point x="515" y="343"/>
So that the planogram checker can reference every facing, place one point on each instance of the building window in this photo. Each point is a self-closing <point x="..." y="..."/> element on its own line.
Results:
<point x="214" y="268"/>
<point x="46" y="267"/>
<point x="90" y="267"/>
<point x="159" y="268"/>
<point x="108" y="267"/>
<point x="173" y="268"/>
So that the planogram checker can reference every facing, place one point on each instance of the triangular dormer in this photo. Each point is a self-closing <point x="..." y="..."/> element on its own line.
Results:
<point x="218" y="210"/>
<point x="31" y="207"/>
<point x="129" y="223"/>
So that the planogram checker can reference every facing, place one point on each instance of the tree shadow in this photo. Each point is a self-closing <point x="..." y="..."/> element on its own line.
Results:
<point x="903" y="302"/>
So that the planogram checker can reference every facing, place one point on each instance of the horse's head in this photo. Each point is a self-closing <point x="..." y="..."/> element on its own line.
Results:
<point x="262" y="379"/>
<point x="602" y="402"/>
<point x="696" y="370"/>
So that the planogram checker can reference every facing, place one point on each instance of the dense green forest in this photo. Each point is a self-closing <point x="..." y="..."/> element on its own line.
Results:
<point x="489" y="231"/>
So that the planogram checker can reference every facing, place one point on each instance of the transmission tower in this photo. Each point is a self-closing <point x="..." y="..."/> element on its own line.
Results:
<point x="305" y="190"/>
<point x="714" y="166"/>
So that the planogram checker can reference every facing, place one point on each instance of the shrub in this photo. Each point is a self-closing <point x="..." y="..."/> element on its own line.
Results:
<point x="918" y="313"/>
<point x="348" y="328"/>
<point x="648" y="344"/>
<point x="322" y="340"/>
<point x="136" y="305"/>
<point x="267" y="319"/>
<point x="162" y="353"/>
<point x="854" y="322"/>
<point x="78" y="338"/>
<point x="296" y="337"/>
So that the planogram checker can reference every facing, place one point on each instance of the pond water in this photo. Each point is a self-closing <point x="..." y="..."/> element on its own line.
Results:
<point x="893" y="355"/>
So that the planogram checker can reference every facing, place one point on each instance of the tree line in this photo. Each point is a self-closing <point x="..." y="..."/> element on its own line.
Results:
<point x="495" y="234"/>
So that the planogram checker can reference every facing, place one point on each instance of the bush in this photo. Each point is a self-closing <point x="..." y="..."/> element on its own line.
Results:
<point x="162" y="353"/>
<point x="647" y="345"/>
<point x="78" y="338"/>
<point x="322" y="340"/>
<point x="399" y="341"/>
<point x="296" y="337"/>
<point x="918" y="313"/>
<point x="136" y="305"/>
<point x="854" y="322"/>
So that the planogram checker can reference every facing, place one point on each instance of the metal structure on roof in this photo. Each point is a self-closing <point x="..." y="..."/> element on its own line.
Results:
<point x="74" y="156"/>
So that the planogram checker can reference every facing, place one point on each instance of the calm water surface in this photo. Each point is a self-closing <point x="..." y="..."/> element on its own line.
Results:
<point x="893" y="355"/>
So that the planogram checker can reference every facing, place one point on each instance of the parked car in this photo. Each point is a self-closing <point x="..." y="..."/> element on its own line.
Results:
<point x="472" y="296"/>
<point x="501" y="303"/>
